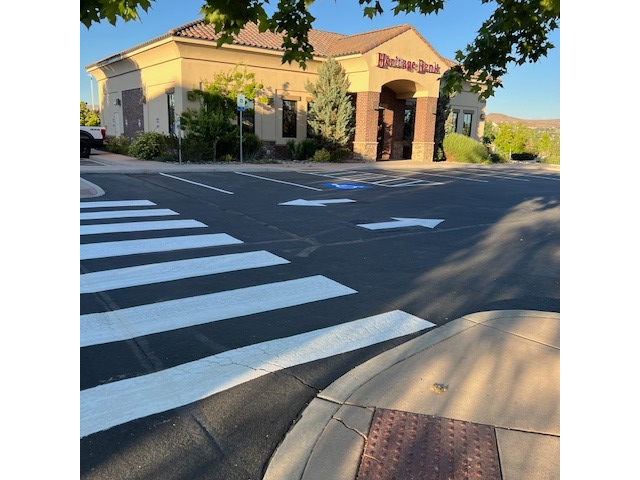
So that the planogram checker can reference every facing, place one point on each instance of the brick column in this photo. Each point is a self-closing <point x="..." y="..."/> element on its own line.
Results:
<point x="397" y="130"/>
<point x="424" y="130"/>
<point x="365" y="143"/>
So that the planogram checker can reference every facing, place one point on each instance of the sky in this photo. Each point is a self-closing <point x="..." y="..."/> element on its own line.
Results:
<point x="531" y="91"/>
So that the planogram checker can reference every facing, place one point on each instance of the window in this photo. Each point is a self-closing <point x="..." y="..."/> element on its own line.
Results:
<point x="172" y="113"/>
<point x="466" y="124"/>
<point x="310" y="132"/>
<point x="452" y="122"/>
<point x="289" y="119"/>
<point x="248" y="117"/>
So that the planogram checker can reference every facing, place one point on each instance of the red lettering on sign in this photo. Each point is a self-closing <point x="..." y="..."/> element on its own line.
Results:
<point x="384" y="61"/>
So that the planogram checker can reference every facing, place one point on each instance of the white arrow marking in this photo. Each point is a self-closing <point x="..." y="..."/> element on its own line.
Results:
<point x="403" y="222"/>
<point x="315" y="203"/>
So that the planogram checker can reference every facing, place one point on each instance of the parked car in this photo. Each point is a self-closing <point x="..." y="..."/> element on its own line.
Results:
<point x="91" y="137"/>
<point x="94" y="135"/>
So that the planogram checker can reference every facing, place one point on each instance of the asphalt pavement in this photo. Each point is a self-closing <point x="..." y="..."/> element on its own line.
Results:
<point x="476" y="398"/>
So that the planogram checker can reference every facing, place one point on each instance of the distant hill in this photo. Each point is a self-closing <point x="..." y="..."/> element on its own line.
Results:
<point x="500" y="118"/>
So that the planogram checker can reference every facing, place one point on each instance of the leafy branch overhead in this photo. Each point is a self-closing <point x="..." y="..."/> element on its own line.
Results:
<point x="94" y="11"/>
<point x="517" y="32"/>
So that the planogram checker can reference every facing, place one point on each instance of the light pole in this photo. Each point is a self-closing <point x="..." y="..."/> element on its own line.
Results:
<point x="91" y="84"/>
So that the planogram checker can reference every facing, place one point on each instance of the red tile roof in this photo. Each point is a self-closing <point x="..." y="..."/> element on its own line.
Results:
<point x="324" y="43"/>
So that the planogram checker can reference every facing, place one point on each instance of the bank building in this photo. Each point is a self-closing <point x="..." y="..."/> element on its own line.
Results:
<point x="394" y="82"/>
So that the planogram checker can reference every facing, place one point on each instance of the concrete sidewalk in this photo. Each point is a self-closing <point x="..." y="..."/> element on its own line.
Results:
<point x="105" y="162"/>
<point x="477" y="398"/>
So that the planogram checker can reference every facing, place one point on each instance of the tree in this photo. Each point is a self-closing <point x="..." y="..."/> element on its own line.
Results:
<point x="88" y="117"/>
<point x="234" y="82"/>
<point x="512" y="138"/>
<point x="207" y="125"/>
<point x="213" y="121"/>
<point x="489" y="133"/>
<point x="331" y="113"/>
<point x="443" y="111"/>
<point x="93" y="11"/>
<point x="516" y="33"/>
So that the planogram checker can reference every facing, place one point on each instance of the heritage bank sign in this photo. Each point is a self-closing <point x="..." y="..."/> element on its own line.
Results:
<point x="422" y="67"/>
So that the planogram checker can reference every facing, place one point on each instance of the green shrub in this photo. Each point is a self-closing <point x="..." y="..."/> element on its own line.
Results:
<point x="340" y="154"/>
<point x="292" y="149"/>
<point x="171" y="149"/>
<point x="308" y="148"/>
<point x="497" y="158"/>
<point x="321" y="155"/>
<point x="463" y="149"/>
<point x="227" y="157"/>
<point x="251" y="144"/>
<point x="148" y="145"/>
<point x="118" y="145"/>
<point x="196" y="149"/>
<point x="229" y="144"/>
<point x="302" y="150"/>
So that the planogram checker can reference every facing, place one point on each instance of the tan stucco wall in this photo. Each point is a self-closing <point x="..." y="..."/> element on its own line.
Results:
<point x="154" y="69"/>
<point x="468" y="102"/>
<point x="281" y="81"/>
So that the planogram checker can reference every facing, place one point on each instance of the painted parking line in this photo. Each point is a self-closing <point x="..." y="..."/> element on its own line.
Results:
<point x="90" y="251"/>
<point x="153" y="212"/>
<point x="117" y="325"/>
<point x="279" y="181"/>
<point x="166" y="271"/>
<point x="117" y="203"/>
<point x="470" y="171"/>
<point x="113" y="404"/>
<point x="196" y="183"/>
<point x="139" y="226"/>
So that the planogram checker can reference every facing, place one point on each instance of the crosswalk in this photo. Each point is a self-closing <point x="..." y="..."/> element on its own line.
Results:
<point x="372" y="178"/>
<point x="118" y="401"/>
<point x="431" y="177"/>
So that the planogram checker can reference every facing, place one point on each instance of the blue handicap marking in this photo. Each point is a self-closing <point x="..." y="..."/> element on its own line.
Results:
<point x="346" y="186"/>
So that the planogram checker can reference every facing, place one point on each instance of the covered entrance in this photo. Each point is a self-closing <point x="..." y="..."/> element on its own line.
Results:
<point x="396" y="123"/>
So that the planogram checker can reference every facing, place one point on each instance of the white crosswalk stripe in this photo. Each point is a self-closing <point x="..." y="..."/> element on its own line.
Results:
<point x="117" y="325"/>
<point x="139" y="226"/>
<point x="112" y="404"/>
<point x="90" y="251"/>
<point x="166" y="271"/>
<point x="116" y="203"/>
<point x="155" y="212"/>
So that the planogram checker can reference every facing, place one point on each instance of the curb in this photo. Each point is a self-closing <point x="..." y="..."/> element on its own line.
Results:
<point x="89" y="190"/>
<point x="291" y="458"/>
